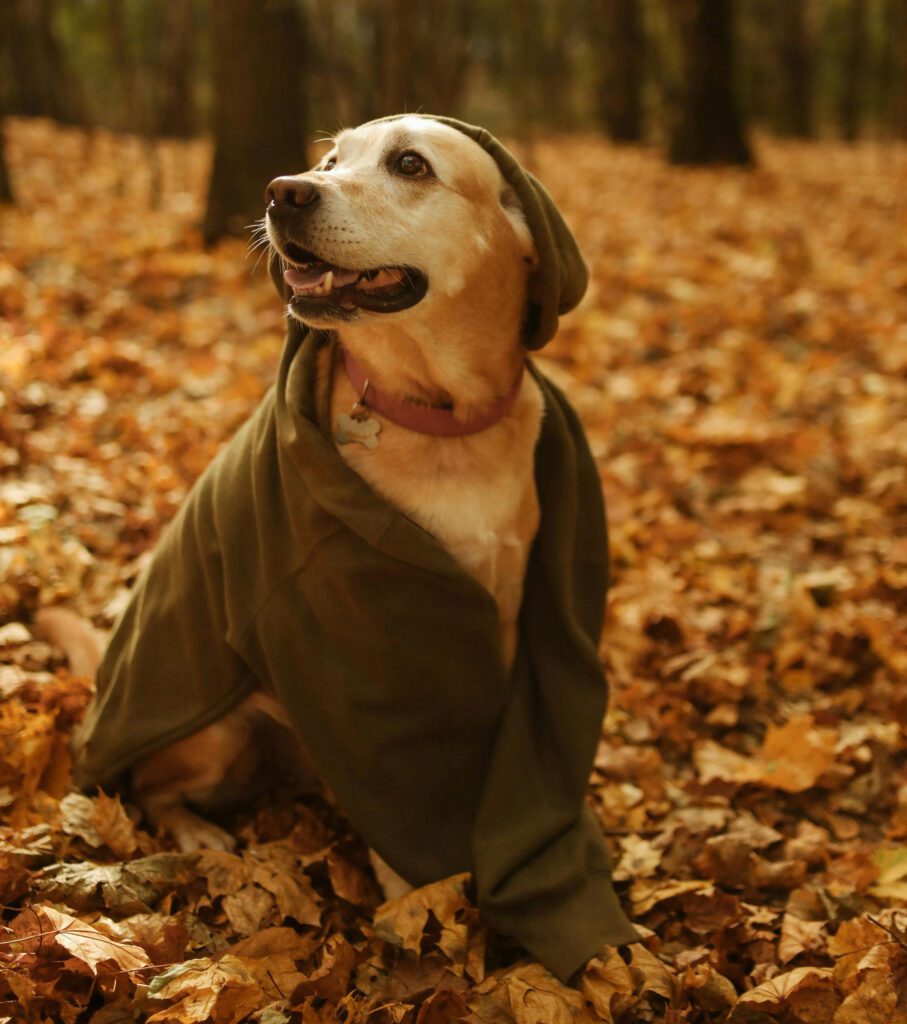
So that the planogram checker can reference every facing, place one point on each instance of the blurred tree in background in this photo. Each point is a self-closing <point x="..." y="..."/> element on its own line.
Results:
<point x="708" y="128"/>
<point x="6" y="188"/>
<point x="696" y="77"/>
<point x="623" y="52"/>
<point x="259" y="61"/>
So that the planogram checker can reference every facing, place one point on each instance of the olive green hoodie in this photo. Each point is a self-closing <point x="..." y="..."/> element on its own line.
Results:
<point x="284" y="570"/>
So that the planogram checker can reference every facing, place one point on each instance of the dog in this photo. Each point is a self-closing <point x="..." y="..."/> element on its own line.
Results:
<point x="408" y="243"/>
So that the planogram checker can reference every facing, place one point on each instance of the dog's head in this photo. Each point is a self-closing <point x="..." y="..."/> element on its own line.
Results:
<point x="400" y="215"/>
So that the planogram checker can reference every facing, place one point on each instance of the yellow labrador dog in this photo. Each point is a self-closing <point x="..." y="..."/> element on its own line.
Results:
<point x="407" y="242"/>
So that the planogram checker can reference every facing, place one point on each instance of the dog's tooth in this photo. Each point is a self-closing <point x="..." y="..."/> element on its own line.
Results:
<point x="328" y="283"/>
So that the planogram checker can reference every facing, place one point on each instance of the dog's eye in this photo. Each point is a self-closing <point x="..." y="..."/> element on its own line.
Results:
<point x="329" y="164"/>
<point x="412" y="165"/>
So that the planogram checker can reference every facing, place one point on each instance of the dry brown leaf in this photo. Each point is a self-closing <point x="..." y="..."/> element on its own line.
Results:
<point x="224" y="991"/>
<point x="113" y="825"/>
<point x="605" y="980"/>
<point x="224" y="873"/>
<point x="331" y="979"/>
<point x="793" y="758"/>
<point x="91" y="946"/>
<point x="403" y="921"/>
<point x="533" y="995"/>
<point x="729" y="854"/>
<point x="291" y="889"/>
<point x="646" y="894"/>
<point x="100" y="821"/>
<point x="131" y="888"/>
<point x="349" y="881"/>
<point x="710" y="989"/>
<point x="806" y="993"/>
<point x="247" y="908"/>
<point x="274" y="942"/>
<point x="639" y="858"/>
<point x="891" y="883"/>
<point x="655" y="975"/>
<point x="851" y="942"/>
<point x="443" y="1006"/>
<point x="163" y="937"/>
<point x="798" y="936"/>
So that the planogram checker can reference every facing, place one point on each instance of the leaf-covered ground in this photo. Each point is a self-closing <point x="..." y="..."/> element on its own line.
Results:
<point x="741" y="366"/>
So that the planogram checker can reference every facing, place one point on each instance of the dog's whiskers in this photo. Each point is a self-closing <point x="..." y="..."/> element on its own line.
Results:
<point x="258" y="242"/>
<point x="264" y="249"/>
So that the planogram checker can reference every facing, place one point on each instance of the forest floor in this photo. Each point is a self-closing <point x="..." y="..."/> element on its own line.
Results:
<point x="741" y="367"/>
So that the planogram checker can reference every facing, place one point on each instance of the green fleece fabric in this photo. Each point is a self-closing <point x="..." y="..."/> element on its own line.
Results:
<point x="284" y="570"/>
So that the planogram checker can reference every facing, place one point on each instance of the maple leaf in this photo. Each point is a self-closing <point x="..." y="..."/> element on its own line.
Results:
<point x="793" y="758"/>
<point x="100" y="821"/>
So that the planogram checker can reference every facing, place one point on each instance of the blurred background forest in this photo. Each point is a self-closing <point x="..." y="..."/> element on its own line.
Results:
<point x="262" y="77"/>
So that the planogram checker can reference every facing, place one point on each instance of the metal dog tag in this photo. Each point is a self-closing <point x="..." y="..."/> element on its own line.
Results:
<point x="362" y="431"/>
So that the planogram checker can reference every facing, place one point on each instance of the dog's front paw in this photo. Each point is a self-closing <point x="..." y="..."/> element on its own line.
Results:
<point x="191" y="832"/>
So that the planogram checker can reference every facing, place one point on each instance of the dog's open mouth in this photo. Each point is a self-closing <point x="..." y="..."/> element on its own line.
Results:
<point x="318" y="284"/>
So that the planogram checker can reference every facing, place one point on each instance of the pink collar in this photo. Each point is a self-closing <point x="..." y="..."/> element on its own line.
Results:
<point x="425" y="419"/>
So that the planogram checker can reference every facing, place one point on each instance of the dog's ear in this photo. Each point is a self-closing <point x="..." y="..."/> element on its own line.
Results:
<point x="513" y="208"/>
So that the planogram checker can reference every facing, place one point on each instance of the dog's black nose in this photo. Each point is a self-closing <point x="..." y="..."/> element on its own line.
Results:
<point x="289" y="191"/>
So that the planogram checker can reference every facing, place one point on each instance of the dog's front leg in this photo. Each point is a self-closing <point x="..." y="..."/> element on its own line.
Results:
<point x="192" y="769"/>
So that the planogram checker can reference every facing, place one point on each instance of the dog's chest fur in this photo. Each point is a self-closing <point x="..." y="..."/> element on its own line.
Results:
<point x="476" y="494"/>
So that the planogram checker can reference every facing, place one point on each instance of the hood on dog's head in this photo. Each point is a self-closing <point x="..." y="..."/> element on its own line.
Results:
<point x="560" y="277"/>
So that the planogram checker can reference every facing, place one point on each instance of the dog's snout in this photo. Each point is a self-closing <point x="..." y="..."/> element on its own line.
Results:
<point x="290" y="192"/>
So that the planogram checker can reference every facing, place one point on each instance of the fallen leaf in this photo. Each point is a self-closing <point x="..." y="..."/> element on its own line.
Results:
<point x="793" y="758"/>
<point x="646" y="894"/>
<point x="892" y="879"/>
<point x="224" y="991"/>
<point x="806" y="994"/>
<point x="604" y="981"/>
<point x="89" y="945"/>
<point x="403" y="921"/>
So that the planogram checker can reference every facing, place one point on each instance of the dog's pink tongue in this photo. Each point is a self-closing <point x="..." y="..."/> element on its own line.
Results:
<point x="309" y="280"/>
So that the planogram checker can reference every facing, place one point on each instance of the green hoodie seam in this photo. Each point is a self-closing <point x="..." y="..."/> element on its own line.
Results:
<point x="278" y="586"/>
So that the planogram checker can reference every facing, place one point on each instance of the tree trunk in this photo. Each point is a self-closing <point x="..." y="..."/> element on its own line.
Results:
<point x="259" y="129"/>
<point x="131" y="116"/>
<point x="421" y="55"/>
<point x="43" y="82"/>
<point x="708" y="129"/>
<point x="447" y="30"/>
<point x="395" y="56"/>
<point x="6" y="185"/>
<point x="793" y="112"/>
<point x="623" y="70"/>
<point x="176" y="114"/>
<point x="853" y="69"/>
<point x="522" y="58"/>
<point x="897" y="67"/>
